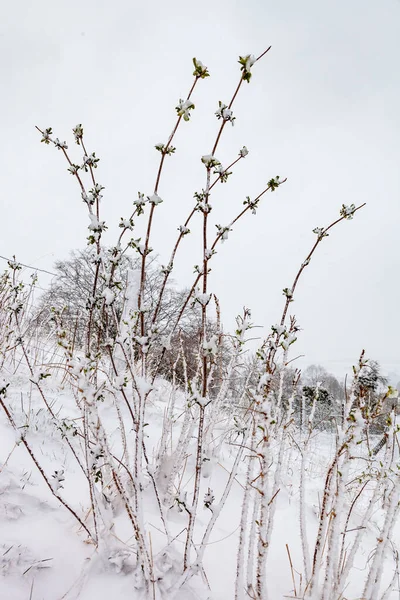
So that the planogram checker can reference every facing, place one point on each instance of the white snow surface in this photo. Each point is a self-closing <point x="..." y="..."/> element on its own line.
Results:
<point x="45" y="556"/>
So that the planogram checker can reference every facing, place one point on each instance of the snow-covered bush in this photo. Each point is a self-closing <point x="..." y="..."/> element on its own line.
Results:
<point x="133" y="456"/>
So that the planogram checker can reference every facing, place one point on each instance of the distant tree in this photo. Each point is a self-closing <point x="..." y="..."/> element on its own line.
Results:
<point x="323" y="389"/>
<point x="73" y="285"/>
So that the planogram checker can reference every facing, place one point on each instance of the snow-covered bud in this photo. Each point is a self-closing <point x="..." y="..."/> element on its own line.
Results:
<point x="73" y="169"/>
<point x="347" y="211"/>
<point x="199" y="69"/>
<point x="392" y="392"/>
<point x="46" y="135"/>
<point x="288" y="340"/>
<point x="239" y="425"/>
<point x="210" y="347"/>
<point x="320" y="232"/>
<point x="201" y="298"/>
<point x="166" y="269"/>
<point x="60" y="145"/>
<point x="78" y="133"/>
<point x="203" y="206"/>
<point x="223" y="173"/>
<point x="183" y="109"/>
<point x="89" y="199"/>
<point x="95" y="224"/>
<point x="246" y="63"/>
<point x="288" y="293"/>
<point x="278" y="329"/>
<point x="108" y="296"/>
<point x="243" y="152"/>
<point x="154" y="199"/>
<point x="143" y="342"/>
<point x="210" y="161"/>
<point x="208" y="499"/>
<point x="126" y="223"/>
<point x="180" y="500"/>
<point x="243" y="324"/>
<point x="161" y="148"/>
<point x="225" y="113"/>
<point x="139" y="203"/>
<point x="3" y="387"/>
<point x="58" y="478"/>
<point x="263" y="381"/>
<point x="223" y="232"/>
<point x="39" y="375"/>
<point x="252" y="204"/>
<point x="89" y="161"/>
<point x="274" y="183"/>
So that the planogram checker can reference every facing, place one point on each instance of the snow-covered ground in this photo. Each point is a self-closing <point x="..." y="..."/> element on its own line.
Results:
<point x="45" y="555"/>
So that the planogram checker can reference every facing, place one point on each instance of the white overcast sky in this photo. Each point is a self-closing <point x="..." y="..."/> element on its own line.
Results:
<point x="322" y="109"/>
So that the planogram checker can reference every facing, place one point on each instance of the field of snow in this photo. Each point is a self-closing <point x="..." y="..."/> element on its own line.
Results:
<point x="45" y="555"/>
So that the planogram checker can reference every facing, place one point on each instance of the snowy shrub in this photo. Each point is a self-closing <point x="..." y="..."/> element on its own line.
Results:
<point x="160" y="396"/>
